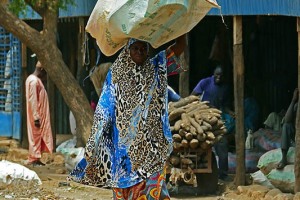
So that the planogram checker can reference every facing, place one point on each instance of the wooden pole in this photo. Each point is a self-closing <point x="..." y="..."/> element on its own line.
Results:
<point x="24" y="142"/>
<point x="238" y="62"/>
<point x="184" y="77"/>
<point x="297" y="139"/>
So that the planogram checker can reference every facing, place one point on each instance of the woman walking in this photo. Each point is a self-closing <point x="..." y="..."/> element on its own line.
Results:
<point x="131" y="139"/>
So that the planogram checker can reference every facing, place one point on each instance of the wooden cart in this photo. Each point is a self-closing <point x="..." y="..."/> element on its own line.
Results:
<point x="206" y="172"/>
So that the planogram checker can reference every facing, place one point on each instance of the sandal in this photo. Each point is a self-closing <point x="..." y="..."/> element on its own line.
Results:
<point x="37" y="163"/>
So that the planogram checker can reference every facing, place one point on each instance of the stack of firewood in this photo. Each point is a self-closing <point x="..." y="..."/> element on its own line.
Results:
<point x="195" y="126"/>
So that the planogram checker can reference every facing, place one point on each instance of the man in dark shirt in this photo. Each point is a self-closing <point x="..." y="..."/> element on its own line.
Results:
<point x="214" y="90"/>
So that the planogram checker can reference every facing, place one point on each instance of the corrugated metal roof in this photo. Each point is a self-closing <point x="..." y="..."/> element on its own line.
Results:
<point x="81" y="8"/>
<point x="228" y="7"/>
<point x="257" y="7"/>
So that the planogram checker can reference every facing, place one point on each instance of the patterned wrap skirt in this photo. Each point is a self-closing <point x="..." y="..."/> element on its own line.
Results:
<point x="153" y="188"/>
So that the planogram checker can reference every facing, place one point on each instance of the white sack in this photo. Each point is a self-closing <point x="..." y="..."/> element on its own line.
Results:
<point x="112" y="22"/>
<point x="260" y="179"/>
<point x="72" y="156"/>
<point x="71" y="143"/>
<point x="10" y="171"/>
<point x="72" y="123"/>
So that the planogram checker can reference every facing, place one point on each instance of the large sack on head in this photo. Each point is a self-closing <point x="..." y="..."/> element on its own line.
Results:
<point x="269" y="160"/>
<point x="112" y="22"/>
<point x="283" y="179"/>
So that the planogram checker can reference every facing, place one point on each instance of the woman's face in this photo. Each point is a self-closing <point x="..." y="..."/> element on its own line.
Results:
<point x="139" y="52"/>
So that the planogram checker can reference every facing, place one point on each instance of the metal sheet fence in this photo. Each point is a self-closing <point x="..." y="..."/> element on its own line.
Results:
<point x="10" y="85"/>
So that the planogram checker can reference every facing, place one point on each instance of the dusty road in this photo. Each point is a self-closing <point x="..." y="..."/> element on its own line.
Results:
<point x="56" y="183"/>
<point x="54" y="186"/>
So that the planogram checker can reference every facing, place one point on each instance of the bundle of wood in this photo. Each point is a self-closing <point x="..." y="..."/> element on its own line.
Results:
<point x="195" y="127"/>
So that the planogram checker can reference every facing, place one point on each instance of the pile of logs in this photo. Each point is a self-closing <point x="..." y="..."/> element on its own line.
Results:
<point x="195" y="127"/>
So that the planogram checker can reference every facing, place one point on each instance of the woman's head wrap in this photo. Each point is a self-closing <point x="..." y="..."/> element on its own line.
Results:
<point x="133" y="40"/>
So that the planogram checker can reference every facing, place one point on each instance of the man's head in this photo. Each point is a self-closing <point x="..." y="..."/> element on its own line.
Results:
<point x="138" y="51"/>
<point x="40" y="71"/>
<point x="218" y="75"/>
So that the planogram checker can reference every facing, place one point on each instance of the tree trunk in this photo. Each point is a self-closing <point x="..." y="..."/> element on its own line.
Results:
<point x="44" y="45"/>
<point x="70" y="90"/>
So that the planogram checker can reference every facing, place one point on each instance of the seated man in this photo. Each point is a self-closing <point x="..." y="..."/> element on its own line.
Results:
<point x="288" y="129"/>
<point x="274" y="120"/>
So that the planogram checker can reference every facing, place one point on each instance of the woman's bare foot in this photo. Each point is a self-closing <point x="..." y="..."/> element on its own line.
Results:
<point x="281" y="164"/>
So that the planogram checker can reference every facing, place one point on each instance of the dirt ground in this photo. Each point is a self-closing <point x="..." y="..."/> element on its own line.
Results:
<point x="54" y="186"/>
